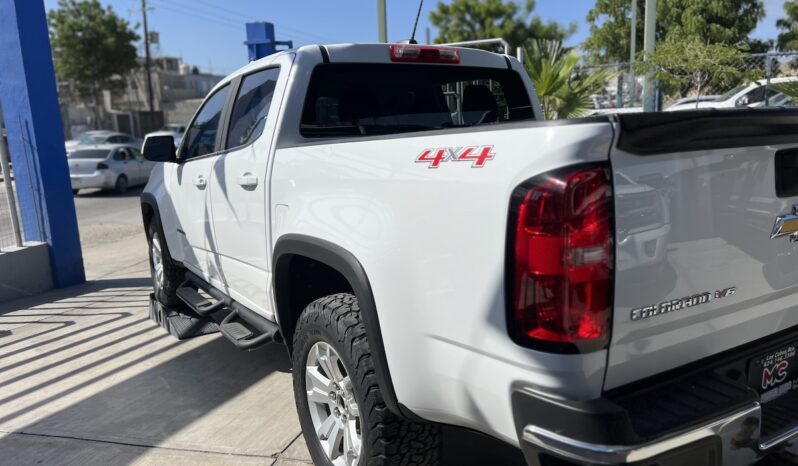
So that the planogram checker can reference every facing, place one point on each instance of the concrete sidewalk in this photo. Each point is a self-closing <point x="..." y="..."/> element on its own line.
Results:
<point x="88" y="379"/>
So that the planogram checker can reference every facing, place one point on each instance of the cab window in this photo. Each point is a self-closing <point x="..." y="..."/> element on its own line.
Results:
<point x="252" y="107"/>
<point x="201" y="136"/>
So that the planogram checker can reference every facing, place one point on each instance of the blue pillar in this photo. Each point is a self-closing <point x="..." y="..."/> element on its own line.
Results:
<point x="36" y="139"/>
<point x="261" y="40"/>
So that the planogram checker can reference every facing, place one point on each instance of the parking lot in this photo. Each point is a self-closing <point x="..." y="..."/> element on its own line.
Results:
<point x="87" y="378"/>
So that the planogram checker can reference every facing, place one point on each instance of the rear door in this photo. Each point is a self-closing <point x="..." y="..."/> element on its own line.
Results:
<point x="187" y="181"/>
<point x="697" y="272"/>
<point x="239" y="189"/>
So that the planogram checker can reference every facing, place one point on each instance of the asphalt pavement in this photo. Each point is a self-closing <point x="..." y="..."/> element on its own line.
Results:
<point x="88" y="379"/>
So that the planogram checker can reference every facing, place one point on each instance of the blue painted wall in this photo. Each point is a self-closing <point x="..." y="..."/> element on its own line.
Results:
<point x="35" y="137"/>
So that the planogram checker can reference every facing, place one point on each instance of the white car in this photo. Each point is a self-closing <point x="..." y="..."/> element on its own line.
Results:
<point x="176" y="131"/>
<point x="744" y="95"/>
<point x="610" y="290"/>
<point x="101" y="137"/>
<point x="107" y="166"/>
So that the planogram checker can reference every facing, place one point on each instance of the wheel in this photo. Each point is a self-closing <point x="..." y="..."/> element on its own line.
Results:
<point x="75" y="192"/>
<point x="341" y="410"/>
<point x="166" y="276"/>
<point x="121" y="185"/>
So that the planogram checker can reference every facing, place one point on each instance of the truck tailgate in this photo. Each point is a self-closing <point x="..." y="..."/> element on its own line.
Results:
<point x="697" y="272"/>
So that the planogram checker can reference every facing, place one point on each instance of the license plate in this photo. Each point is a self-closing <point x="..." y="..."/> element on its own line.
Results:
<point x="774" y="374"/>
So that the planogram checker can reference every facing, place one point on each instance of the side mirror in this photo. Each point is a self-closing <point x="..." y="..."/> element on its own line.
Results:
<point x="159" y="149"/>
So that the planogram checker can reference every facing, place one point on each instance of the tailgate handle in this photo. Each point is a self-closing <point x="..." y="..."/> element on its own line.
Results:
<point x="787" y="173"/>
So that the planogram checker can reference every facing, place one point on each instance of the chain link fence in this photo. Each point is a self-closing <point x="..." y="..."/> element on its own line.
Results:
<point x="11" y="233"/>
<point x="753" y="87"/>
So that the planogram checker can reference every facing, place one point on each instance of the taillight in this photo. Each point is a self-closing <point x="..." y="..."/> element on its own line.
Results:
<point x="102" y="166"/>
<point x="424" y="54"/>
<point x="562" y="260"/>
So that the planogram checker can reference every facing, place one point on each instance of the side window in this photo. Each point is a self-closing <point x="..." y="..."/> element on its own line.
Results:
<point x="201" y="135"/>
<point x="252" y="107"/>
<point x="114" y="140"/>
<point x="119" y="155"/>
<point x="137" y="155"/>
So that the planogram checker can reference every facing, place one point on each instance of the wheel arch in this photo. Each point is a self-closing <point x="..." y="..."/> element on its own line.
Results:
<point x="292" y="247"/>
<point x="150" y="213"/>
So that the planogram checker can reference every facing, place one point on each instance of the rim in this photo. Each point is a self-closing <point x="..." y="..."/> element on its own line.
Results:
<point x="157" y="263"/>
<point x="333" y="408"/>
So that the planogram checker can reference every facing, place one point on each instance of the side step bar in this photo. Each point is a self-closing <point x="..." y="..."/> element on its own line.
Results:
<point x="245" y="328"/>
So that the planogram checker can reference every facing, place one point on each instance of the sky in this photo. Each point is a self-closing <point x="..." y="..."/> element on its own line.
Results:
<point x="210" y="33"/>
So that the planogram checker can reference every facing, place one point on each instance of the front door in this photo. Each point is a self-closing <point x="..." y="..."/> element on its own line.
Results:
<point x="188" y="180"/>
<point x="239" y="193"/>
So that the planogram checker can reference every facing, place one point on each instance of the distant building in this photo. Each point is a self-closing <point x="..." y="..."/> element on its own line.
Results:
<point x="177" y="88"/>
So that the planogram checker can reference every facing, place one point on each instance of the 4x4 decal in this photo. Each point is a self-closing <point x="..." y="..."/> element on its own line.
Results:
<point x="477" y="155"/>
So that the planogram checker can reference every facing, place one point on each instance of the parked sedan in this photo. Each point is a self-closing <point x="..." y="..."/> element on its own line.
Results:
<point x="101" y="137"/>
<point x="107" y="166"/>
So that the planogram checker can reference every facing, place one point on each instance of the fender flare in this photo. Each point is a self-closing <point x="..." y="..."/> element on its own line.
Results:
<point x="149" y="200"/>
<point x="347" y="265"/>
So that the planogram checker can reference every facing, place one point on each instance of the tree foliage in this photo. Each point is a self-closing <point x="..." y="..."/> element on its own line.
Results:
<point x="463" y="20"/>
<point x="563" y="90"/>
<point x="788" y="25"/>
<point x="709" y="21"/>
<point x="93" y="48"/>
<point x="688" y="65"/>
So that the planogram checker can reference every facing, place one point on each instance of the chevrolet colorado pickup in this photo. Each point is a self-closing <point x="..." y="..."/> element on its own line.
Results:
<point x="618" y="289"/>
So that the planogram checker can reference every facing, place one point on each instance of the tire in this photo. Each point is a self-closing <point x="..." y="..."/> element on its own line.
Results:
<point x="331" y="328"/>
<point x="75" y="192"/>
<point x="171" y="275"/>
<point x="121" y="185"/>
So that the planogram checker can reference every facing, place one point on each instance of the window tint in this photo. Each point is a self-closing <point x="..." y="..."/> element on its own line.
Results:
<point x="201" y="135"/>
<point x="354" y="100"/>
<point x="252" y="107"/>
<point x="89" y="154"/>
<point x="114" y="139"/>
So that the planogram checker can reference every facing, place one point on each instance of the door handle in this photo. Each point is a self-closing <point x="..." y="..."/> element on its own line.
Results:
<point x="200" y="182"/>
<point x="248" y="181"/>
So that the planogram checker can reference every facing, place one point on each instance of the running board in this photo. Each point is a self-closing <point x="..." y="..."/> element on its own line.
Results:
<point x="245" y="328"/>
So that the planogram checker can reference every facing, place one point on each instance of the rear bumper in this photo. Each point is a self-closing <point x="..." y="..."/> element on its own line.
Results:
<point x="706" y="415"/>
<point x="99" y="179"/>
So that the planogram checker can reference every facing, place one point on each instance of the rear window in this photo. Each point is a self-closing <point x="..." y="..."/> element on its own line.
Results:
<point x="89" y="154"/>
<point x="363" y="100"/>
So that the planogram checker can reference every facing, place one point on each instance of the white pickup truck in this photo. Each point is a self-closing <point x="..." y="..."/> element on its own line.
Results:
<point x="620" y="289"/>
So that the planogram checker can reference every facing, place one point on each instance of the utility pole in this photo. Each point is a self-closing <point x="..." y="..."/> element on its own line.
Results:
<point x="147" y="54"/>
<point x="649" y="44"/>
<point x="382" y="21"/>
<point x="632" y="52"/>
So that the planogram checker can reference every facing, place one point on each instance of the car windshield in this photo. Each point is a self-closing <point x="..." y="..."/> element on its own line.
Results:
<point x="89" y="154"/>
<point x="92" y="138"/>
<point x="732" y="92"/>
<point x="360" y="100"/>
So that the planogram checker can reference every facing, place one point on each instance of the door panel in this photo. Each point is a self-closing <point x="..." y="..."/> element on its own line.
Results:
<point x="188" y="181"/>
<point x="239" y="192"/>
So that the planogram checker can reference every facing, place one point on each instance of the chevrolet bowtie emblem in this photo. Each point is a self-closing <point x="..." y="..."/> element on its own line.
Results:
<point x="786" y="225"/>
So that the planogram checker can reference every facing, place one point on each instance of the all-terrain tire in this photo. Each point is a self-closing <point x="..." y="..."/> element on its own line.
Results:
<point x="173" y="275"/>
<point x="386" y="438"/>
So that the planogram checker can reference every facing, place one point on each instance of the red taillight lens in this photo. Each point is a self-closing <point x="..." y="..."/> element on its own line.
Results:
<point x="562" y="262"/>
<point x="102" y="166"/>
<point x="424" y="54"/>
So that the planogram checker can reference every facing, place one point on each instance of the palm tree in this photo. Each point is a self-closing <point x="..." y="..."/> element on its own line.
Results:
<point x="564" y="92"/>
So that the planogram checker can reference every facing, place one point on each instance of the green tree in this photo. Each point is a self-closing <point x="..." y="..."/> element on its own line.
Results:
<point x="710" y="21"/>
<point x="93" y="49"/>
<point x="688" y="65"/>
<point x="463" y="20"/>
<point x="788" y="37"/>
<point x="564" y="92"/>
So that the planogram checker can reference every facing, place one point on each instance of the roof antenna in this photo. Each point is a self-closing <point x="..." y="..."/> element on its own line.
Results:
<point x="415" y="25"/>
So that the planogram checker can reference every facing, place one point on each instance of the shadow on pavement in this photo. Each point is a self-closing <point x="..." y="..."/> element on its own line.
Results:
<point x="99" y="193"/>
